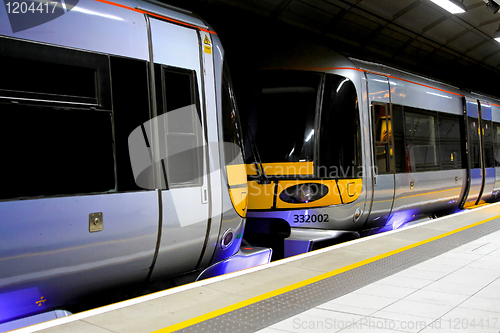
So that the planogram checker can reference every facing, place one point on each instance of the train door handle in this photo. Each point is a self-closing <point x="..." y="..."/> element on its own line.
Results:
<point x="204" y="195"/>
<point x="96" y="221"/>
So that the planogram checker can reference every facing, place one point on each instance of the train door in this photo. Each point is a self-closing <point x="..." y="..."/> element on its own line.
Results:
<point x="185" y="195"/>
<point x="72" y="220"/>
<point x="488" y="182"/>
<point x="475" y="161"/>
<point x="383" y="150"/>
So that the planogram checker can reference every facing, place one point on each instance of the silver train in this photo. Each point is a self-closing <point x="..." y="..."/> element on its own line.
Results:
<point x="338" y="147"/>
<point x="121" y="151"/>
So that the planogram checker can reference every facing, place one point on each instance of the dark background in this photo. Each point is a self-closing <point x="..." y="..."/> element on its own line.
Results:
<point x="397" y="37"/>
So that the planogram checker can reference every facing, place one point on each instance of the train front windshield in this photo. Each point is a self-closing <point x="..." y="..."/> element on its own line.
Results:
<point x="297" y="116"/>
<point x="281" y="119"/>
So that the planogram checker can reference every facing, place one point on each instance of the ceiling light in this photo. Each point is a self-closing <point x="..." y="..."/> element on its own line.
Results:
<point x="496" y="35"/>
<point x="453" y="6"/>
<point x="493" y="6"/>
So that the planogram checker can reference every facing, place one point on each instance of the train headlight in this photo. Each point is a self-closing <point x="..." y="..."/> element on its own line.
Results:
<point x="304" y="193"/>
<point x="227" y="239"/>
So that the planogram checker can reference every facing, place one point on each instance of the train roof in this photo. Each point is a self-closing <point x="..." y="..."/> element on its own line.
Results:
<point x="172" y="12"/>
<point x="105" y="26"/>
<point x="287" y="54"/>
<point x="418" y="79"/>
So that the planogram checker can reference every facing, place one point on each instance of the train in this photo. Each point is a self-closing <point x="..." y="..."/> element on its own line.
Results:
<point x="121" y="150"/>
<point x="339" y="148"/>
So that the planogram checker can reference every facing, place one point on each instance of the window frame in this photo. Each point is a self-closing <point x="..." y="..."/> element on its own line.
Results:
<point x="199" y="136"/>
<point x="56" y="55"/>
<point x="400" y="135"/>
<point x="74" y="113"/>
<point x="389" y="144"/>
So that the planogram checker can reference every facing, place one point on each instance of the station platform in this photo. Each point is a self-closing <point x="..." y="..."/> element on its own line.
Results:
<point x="442" y="275"/>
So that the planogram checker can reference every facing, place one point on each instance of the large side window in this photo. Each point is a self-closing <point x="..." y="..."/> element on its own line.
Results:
<point x="421" y="141"/>
<point x="57" y="136"/>
<point x="401" y="162"/>
<point x="426" y="140"/>
<point x="130" y="110"/>
<point x="474" y="146"/>
<point x="42" y="73"/>
<point x="382" y="137"/>
<point x="489" y="154"/>
<point x="496" y="140"/>
<point x="450" y="131"/>
<point x="183" y="130"/>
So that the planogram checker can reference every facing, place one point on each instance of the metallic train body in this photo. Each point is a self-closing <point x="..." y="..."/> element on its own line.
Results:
<point x="72" y="219"/>
<point x="421" y="148"/>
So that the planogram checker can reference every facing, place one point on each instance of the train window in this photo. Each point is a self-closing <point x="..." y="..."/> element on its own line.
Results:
<point x="426" y="140"/>
<point x="52" y="74"/>
<point x="398" y="136"/>
<point x="421" y="140"/>
<point x="382" y="137"/>
<point x="57" y="137"/>
<point x="496" y="140"/>
<point x="489" y="158"/>
<point x="183" y="130"/>
<point x="130" y="78"/>
<point x="281" y="115"/>
<point x="339" y="143"/>
<point x="48" y="151"/>
<point x="474" y="144"/>
<point x="450" y="146"/>
<point x="231" y="128"/>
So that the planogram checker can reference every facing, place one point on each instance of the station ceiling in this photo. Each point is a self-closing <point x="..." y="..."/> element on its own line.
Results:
<point x="415" y="35"/>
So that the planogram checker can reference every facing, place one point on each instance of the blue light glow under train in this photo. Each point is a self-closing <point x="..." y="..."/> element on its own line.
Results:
<point x="20" y="303"/>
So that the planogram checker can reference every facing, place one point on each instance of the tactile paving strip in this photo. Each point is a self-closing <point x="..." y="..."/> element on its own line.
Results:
<point x="265" y="313"/>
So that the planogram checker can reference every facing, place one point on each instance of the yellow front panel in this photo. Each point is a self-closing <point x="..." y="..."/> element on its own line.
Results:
<point x="239" y="197"/>
<point x="350" y="189"/>
<point x="238" y="191"/>
<point x="260" y="196"/>
<point x="283" y="169"/>
<point x="252" y="170"/>
<point x="332" y="198"/>
<point x="236" y="174"/>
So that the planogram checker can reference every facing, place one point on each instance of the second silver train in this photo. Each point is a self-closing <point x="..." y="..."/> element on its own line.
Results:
<point x="338" y="146"/>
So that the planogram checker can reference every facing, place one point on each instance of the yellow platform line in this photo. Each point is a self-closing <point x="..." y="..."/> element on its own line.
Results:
<point x="239" y="305"/>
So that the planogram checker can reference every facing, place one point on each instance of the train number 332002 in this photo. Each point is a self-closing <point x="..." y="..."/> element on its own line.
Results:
<point x="311" y="218"/>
